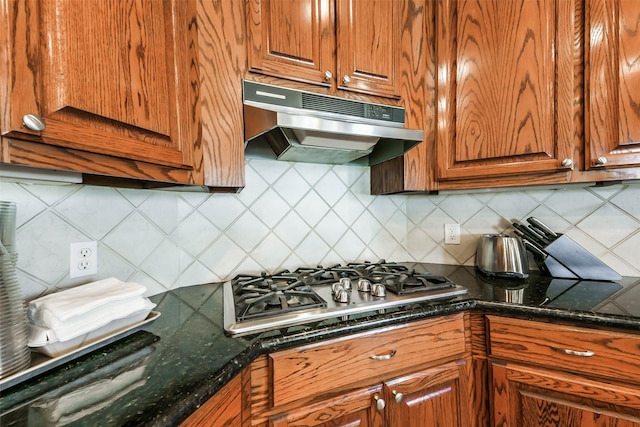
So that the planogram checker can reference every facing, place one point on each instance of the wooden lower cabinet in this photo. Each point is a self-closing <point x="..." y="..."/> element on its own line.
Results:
<point x="410" y="375"/>
<point x="532" y="397"/>
<point x="546" y="374"/>
<point x="431" y="397"/>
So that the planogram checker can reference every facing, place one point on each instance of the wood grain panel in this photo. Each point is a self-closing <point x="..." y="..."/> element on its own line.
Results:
<point x="612" y="89"/>
<point x="430" y="397"/>
<point x="531" y="397"/>
<point x="415" y="171"/>
<point x="615" y="355"/>
<point x="477" y="370"/>
<point x="51" y="157"/>
<point x="292" y="39"/>
<point x="502" y="108"/>
<point x="114" y="78"/>
<point x="223" y="409"/>
<point x="261" y="380"/>
<point x="317" y="368"/>
<point x="222" y="61"/>
<point x="128" y="87"/>
<point x="368" y="36"/>
<point x="350" y="408"/>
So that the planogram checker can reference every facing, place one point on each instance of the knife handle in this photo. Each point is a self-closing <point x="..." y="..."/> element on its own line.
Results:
<point x="542" y="227"/>
<point x="535" y="249"/>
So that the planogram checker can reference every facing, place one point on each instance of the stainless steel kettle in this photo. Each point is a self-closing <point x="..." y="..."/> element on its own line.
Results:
<point x="500" y="255"/>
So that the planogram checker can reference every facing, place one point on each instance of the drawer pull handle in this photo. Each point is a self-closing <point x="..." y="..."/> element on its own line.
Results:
<point x="383" y="356"/>
<point x="586" y="353"/>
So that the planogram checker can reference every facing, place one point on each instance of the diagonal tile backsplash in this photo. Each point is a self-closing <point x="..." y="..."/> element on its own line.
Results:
<point x="292" y="214"/>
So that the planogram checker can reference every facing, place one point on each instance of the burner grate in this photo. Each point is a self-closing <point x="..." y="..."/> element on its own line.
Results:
<point x="266" y="295"/>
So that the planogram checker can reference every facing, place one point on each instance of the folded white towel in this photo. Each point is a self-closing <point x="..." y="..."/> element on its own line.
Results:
<point x="68" y="314"/>
<point x="80" y="325"/>
<point x="53" y="309"/>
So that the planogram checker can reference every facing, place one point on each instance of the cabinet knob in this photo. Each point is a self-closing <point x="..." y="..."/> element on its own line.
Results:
<point x="567" y="163"/>
<point x="33" y="122"/>
<point x="397" y="396"/>
<point x="379" y="403"/>
<point x="346" y="79"/>
<point x="328" y="75"/>
<point x="601" y="161"/>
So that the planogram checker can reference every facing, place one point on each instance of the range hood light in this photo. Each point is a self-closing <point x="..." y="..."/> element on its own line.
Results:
<point x="347" y="142"/>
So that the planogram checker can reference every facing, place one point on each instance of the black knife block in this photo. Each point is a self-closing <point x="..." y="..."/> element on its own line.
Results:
<point x="567" y="259"/>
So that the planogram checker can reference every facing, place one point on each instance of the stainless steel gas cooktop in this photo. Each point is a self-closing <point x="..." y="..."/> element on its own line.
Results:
<point x="258" y="303"/>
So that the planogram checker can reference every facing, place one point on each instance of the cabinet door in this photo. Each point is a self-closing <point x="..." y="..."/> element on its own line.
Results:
<point x="612" y="89"/>
<point x="434" y="397"/>
<point x="115" y="78"/>
<point x="528" y="397"/>
<point x="292" y="39"/>
<point x="355" y="408"/>
<point x="505" y="87"/>
<point x="368" y="46"/>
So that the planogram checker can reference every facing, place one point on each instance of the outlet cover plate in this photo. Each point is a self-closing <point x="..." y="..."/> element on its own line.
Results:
<point x="83" y="259"/>
<point x="452" y="234"/>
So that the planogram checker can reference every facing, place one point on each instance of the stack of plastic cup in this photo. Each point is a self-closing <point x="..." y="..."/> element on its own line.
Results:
<point x="15" y="354"/>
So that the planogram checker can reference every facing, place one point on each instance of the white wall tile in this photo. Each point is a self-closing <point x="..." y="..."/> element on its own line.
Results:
<point x="43" y="246"/>
<point x="95" y="210"/>
<point x="247" y="231"/>
<point x="292" y="229"/>
<point x="27" y="206"/>
<point x="609" y="225"/>
<point x="312" y="208"/>
<point x="195" y="233"/>
<point x="291" y="187"/>
<point x="270" y="208"/>
<point x="223" y="256"/>
<point x="135" y="238"/>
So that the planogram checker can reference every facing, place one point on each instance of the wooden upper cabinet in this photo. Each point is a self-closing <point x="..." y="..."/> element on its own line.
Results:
<point x="504" y="87"/>
<point x="291" y="39"/>
<point x="368" y="46"/>
<point x="612" y="91"/>
<point x="112" y="81"/>
<point x="339" y="44"/>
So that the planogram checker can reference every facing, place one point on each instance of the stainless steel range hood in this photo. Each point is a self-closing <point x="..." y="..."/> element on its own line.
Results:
<point x="307" y="127"/>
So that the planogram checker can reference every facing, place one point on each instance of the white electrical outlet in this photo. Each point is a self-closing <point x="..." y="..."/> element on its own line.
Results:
<point x="452" y="234"/>
<point x="83" y="259"/>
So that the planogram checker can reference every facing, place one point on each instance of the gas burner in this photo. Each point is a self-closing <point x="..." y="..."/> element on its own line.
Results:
<point x="256" y="303"/>
<point x="259" y="296"/>
<point x="412" y="282"/>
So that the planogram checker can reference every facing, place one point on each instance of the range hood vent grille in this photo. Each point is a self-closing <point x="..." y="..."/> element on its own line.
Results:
<point x="332" y="105"/>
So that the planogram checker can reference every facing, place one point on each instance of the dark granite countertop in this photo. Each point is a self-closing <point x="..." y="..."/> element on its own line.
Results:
<point x="162" y="374"/>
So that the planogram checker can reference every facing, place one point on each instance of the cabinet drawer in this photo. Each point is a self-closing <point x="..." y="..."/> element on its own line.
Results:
<point x="321" y="367"/>
<point x="568" y="348"/>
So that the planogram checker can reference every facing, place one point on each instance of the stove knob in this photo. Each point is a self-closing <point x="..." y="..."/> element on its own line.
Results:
<point x="341" y="295"/>
<point x="364" y="285"/>
<point x="378" y="290"/>
<point x="336" y="287"/>
<point x="346" y="283"/>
